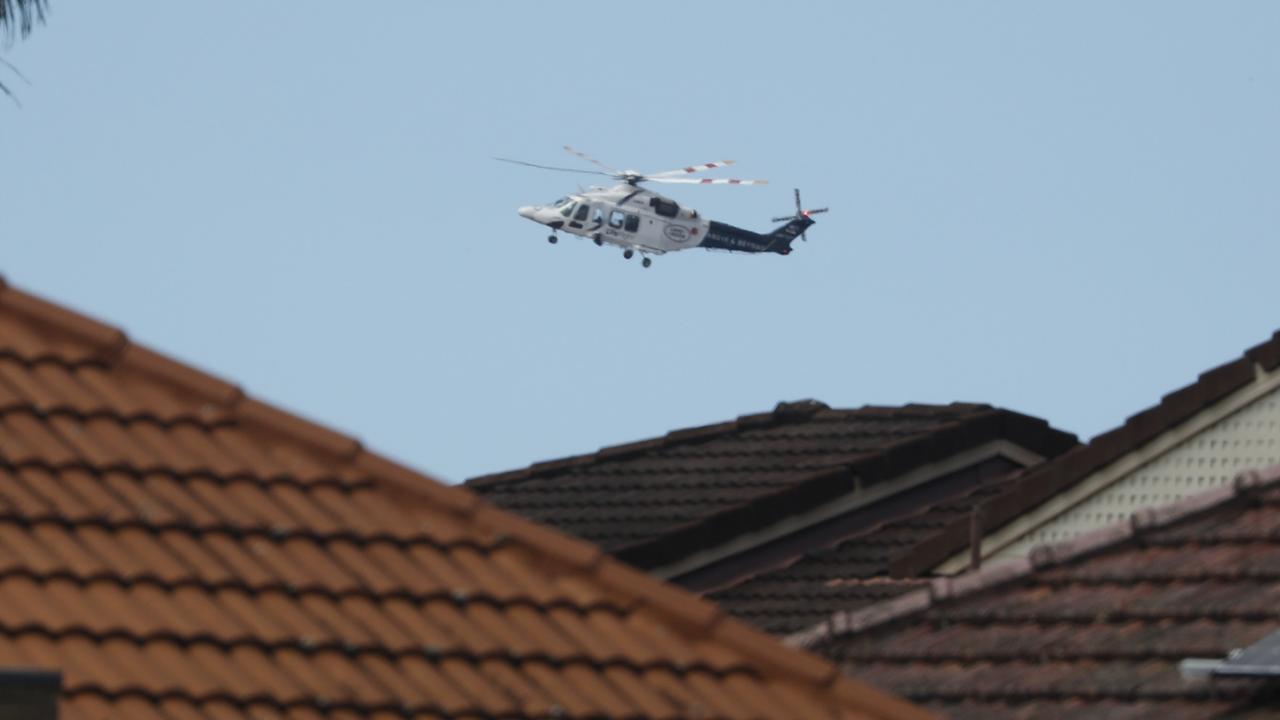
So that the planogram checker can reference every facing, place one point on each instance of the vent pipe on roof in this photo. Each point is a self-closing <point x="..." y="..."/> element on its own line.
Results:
<point x="29" y="694"/>
<point x="975" y="537"/>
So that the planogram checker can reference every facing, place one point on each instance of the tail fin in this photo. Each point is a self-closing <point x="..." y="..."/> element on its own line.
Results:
<point x="792" y="229"/>
<point x="781" y="238"/>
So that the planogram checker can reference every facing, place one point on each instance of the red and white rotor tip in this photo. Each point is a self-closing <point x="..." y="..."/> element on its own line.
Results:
<point x="705" y="181"/>
<point x="692" y="169"/>
<point x="667" y="176"/>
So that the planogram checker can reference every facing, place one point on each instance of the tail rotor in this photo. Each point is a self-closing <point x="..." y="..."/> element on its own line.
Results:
<point x="800" y="213"/>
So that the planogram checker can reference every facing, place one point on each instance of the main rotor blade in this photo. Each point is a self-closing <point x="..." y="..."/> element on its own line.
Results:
<point x="588" y="158"/>
<point x="690" y="169"/>
<point x="804" y="213"/>
<point x="551" y="167"/>
<point x="705" y="181"/>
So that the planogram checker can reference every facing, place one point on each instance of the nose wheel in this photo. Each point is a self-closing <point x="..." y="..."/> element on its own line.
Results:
<point x="646" y="262"/>
<point x="552" y="239"/>
<point x="626" y="254"/>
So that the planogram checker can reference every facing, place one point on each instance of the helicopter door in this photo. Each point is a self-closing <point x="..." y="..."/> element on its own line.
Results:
<point x="580" y="216"/>
<point x="625" y="221"/>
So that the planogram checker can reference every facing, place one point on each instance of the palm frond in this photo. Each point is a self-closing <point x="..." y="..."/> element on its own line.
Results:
<point x="9" y="94"/>
<point x="21" y="15"/>
<point x="4" y="89"/>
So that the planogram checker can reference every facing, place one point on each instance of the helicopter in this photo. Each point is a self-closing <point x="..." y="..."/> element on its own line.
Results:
<point x="641" y="221"/>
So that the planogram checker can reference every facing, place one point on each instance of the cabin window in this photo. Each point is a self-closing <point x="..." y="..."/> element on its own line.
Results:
<point x="633" y="223"/>
<point x="567" y="210"/>
<point x="597" y="217"/>
<point x="665" y="208"/>
<point x="616" y="218"/>
<point x="581" y="215"/>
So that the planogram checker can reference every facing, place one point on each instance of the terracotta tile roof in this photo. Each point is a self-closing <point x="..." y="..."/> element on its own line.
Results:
<point x="1095" y="627"/>
<point x="656" y="501"/>
<point x="1051" y="478"/>
<point x="853" y="573"/>
<point x="178" y="550"/>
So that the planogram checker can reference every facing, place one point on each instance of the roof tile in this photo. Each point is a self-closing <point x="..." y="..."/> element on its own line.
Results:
<point x="654" y="502"/>
<point x="181" y="378"/>
<point x="180" y="551"/>
<point x="1100" y="622"/>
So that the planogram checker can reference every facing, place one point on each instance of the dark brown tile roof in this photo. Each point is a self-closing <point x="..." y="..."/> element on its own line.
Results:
<point x="656" y="501"/>
<point x="1047" y="480"/>
<point x="853" y="573"/>
<point x="1095" y="627"/>
<point x="179" y="550"/>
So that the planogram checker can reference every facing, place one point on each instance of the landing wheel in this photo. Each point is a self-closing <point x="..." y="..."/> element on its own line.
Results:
<point x="646" y="262"/>
<point x="627" y="254"/>
<point x="552" y="239"/>
<point x="598" y="240"/>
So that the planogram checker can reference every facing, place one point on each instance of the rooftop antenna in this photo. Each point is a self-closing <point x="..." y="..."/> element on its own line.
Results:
<point x="800" y="212"/>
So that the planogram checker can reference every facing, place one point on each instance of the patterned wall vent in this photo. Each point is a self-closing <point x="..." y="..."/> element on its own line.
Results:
<point x="1248" y="438"/>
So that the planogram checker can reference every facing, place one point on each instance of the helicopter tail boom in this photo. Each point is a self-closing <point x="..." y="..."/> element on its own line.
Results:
<point x="722" y="236"/>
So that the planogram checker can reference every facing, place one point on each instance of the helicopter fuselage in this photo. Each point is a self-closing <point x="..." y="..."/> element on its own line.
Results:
<point x="644" y="221"/>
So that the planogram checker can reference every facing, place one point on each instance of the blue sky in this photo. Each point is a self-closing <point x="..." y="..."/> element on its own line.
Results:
<point x="1066" y="209"/>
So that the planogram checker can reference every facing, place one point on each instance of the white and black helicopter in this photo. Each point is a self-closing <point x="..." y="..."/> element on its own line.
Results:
<point x="642" y="221"/>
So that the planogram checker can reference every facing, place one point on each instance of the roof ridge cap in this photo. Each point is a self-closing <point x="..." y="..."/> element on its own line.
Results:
<point x="116" y="349"/>
<point x="855" y="467"/>
<point x="107" y="340"/>
<point x="414" y="485"/>
<point x="955" y="587"/>
<point x="783" y="412"/>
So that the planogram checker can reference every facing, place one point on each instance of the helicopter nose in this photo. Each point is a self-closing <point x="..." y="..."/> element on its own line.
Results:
<point x="528" y="211"/>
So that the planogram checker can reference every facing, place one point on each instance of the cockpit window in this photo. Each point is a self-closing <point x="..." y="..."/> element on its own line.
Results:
<point x="560" y="202"/>
<point x="567" y="210"/>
